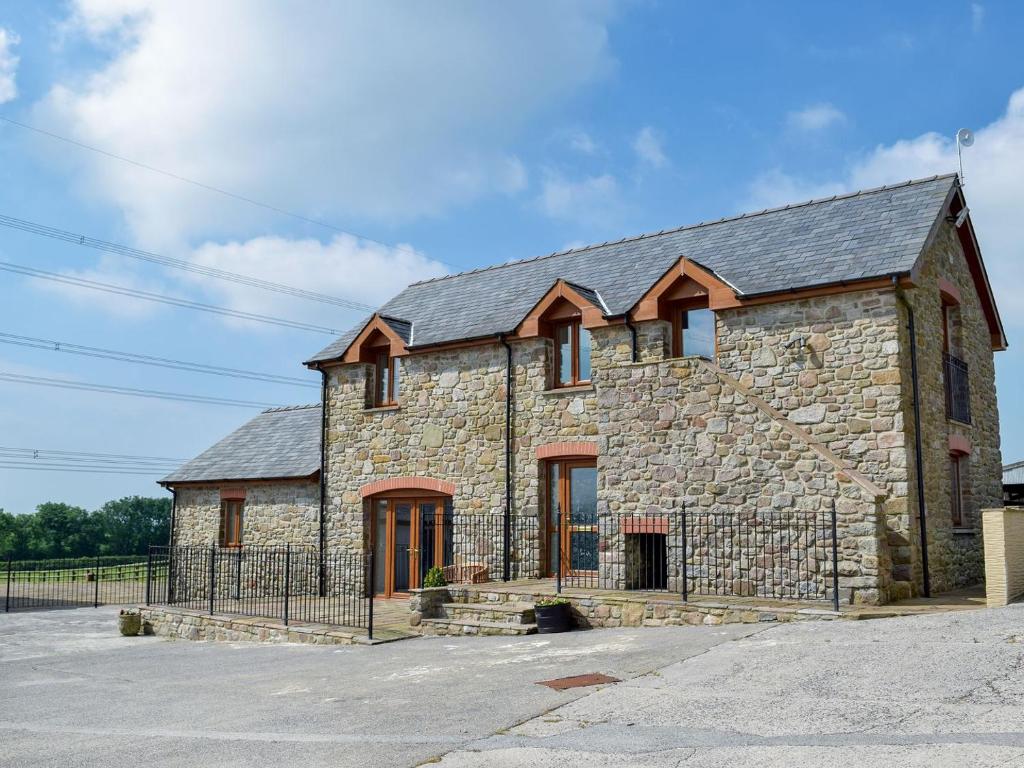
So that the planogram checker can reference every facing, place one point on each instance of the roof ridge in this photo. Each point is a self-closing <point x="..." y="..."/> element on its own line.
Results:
<point x="292" y="408"/>
<point x="697" y="225"/>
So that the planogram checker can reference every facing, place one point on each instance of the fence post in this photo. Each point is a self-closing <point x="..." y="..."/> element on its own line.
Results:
<point x="835" y="559"/>
<point x="213" y="565"/>
<point x="370" y="584"/>
<point x="287" y="578"/>
<point x="7" y="599"/>
<point x="170" y="567"/>
<point x="149" y="572"/>
<point x="558" y="554"/>
<point x="686" y="586"/>
<point x="96" y="589"/>
<point x="238" y="574"/>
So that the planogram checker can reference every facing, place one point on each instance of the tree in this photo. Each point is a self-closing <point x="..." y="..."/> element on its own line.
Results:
<point x="62" y="530"/>
<point x="129" y="525"/>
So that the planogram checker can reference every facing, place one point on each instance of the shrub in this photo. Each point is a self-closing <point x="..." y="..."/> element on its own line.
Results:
<point x="434" y="578"/>
<point x="547" y="602"/>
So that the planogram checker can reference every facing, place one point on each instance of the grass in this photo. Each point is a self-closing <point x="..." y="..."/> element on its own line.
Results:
<point x="127" y="572"/>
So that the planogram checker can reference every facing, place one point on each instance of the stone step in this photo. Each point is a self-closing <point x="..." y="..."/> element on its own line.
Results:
<point x="509" y="613"/>
<point x="474" y="627"/>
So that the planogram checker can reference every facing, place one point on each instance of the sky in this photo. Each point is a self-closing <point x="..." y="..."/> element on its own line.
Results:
<point x="412" y="140"/>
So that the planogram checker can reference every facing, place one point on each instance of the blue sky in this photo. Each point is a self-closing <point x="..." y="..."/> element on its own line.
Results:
<point x="464" y="133"/>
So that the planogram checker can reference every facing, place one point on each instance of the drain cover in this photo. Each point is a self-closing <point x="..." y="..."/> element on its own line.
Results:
<point x="578" y="681"/>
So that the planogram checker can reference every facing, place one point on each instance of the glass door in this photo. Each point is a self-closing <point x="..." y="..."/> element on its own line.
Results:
<point x="408" y="537"/>
<point x="572" y="530"/>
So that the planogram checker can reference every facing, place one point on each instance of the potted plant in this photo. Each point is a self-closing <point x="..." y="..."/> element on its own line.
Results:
<point x="434" y="578"/>
<point x="129" y="623"/>
<point x="554" y="614"/>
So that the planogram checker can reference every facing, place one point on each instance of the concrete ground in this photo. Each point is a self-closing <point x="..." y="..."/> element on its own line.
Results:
<point x="944" y="689"/>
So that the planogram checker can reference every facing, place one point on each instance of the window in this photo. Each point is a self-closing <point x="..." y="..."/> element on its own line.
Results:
<point x="572" y="354"/>
<point x="231" y="523"/>
<point x="693" y="333"/>
<point x="956" y="495"/>
<point x="386" y="392"/>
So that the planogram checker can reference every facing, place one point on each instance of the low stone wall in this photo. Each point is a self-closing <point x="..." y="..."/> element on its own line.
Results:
<point x="184" y="624"/>
<point x="603" y="611"/>
<point x="1004" y="554"/>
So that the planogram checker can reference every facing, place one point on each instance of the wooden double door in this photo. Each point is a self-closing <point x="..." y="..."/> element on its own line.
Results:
<point x="408" y="537"/>
<point x="571" y="520"/>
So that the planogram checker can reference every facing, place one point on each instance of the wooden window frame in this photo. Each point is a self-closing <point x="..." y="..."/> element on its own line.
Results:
<point x="676" y="314"/>
<point x="232" y="520"/>
<point x="385" y="361"/>
<point x="564" y="467"/>
<point x="574" y="325"/>
<point x="956" y="490"/>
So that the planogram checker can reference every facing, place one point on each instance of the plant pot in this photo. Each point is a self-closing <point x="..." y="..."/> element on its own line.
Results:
<point x="129" y="624"/>
<point x="553" y="618"/>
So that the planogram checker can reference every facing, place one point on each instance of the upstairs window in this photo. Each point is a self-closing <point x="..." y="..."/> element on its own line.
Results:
<point x="572" y="354"/>
<point x="231" y="513"/>
<point x="956" y="493"/>
<point x="386" y="381"/>
<point x="693" y="332"/>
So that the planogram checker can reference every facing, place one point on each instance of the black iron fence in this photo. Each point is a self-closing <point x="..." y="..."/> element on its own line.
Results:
<point x="75" y="582"/>
<point x="290" y="583"/>
<point x="958" y="391"/>
<point x="470" y="548"/>
<point x="773" y="554"/>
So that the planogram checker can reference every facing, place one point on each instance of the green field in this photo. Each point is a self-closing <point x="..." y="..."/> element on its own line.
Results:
<point x="126" y="572"/>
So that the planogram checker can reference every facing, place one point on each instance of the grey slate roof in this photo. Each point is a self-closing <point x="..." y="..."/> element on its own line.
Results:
<point x="1013" y="474"/>
<point x="872" y="233"/>
<point x="279" y="443"/>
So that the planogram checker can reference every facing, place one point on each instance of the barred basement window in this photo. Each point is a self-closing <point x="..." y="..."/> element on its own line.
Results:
<point x="231" y="513"/>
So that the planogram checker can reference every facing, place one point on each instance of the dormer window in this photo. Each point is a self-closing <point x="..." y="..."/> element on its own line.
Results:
<point x="693" y="332"/>
<point x="386" y="380"/>
<point x="572" y="354"/>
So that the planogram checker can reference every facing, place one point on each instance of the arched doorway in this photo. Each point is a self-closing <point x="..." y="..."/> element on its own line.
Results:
<point x="410" y="532"/>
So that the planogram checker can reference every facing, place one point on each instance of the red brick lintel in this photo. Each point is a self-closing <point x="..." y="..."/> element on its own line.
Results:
<point x="564" y="450"/>
<point x="408" y="483"/>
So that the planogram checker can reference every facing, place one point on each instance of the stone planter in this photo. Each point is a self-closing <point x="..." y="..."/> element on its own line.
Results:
<point x="129" y="624"/>
<point x="553" y="618"/>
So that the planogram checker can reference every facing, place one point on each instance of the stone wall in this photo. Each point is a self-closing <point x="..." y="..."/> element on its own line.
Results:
<point x="955" y="554"/>
<point x="1004" y="554"/>
<point x="275" y="513"/>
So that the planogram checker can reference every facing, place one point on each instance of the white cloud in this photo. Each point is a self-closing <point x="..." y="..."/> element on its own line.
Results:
<point x="582" y="142"/>
<point x="8" y="65"/>
<point x="591" y="200"/>
<point x="344" y="267"/>
<point x="379" y="110"/>
<point x="647" y="146"/>
<point x="977" y="17"/>
<point x="993" y="169"/>
<point x="816" y="117"/>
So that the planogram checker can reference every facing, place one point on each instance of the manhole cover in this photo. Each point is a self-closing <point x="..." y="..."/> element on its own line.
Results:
<point x="578" y="681"/>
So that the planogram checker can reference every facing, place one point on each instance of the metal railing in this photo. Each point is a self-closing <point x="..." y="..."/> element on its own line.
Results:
<point x="289" y="583"/>
<point x="958" y="390"/>
<point x="772" y="554"/>
<point x="74" y="582"/>
<point x="470" y="547"/>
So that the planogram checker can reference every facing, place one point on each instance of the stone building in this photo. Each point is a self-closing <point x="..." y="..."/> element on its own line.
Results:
<point x="734" y="386"/>
<point x="260" y="485"/>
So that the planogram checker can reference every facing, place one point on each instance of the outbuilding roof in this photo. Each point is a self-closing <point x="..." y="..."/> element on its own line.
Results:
<point x="1013" y="474"/>
<point x="280" y="443"/>
<point x="868" y="234"/>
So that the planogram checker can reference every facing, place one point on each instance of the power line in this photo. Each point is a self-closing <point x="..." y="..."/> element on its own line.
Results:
<point x="91" y="471"/>
<point x="163" y="362"/>
<point x="207" y="187"/>
<point x="163" y="299"/>
<point x="167" y="261"/>
<point x="111" y="389"/>
<point x="90" y="454"/>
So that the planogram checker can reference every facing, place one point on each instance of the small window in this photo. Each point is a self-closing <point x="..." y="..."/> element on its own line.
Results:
<point x="572" y="354"/>
<point x="693" y="333"/>
<point x="386" y="392"/>
<point x="956" y="495"/>
<point x="231" y="513"/>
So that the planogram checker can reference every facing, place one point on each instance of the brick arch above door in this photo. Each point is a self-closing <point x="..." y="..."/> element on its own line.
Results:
<point x="407" y="483"/>
<point x="566" y="450"/>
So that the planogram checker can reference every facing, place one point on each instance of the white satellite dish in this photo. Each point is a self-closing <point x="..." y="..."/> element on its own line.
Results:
<point x="964" y="138"/>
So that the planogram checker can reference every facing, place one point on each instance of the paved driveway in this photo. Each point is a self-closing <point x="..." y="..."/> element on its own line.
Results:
<point x="74" y="693"/>
<point x="938" y="690"/>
